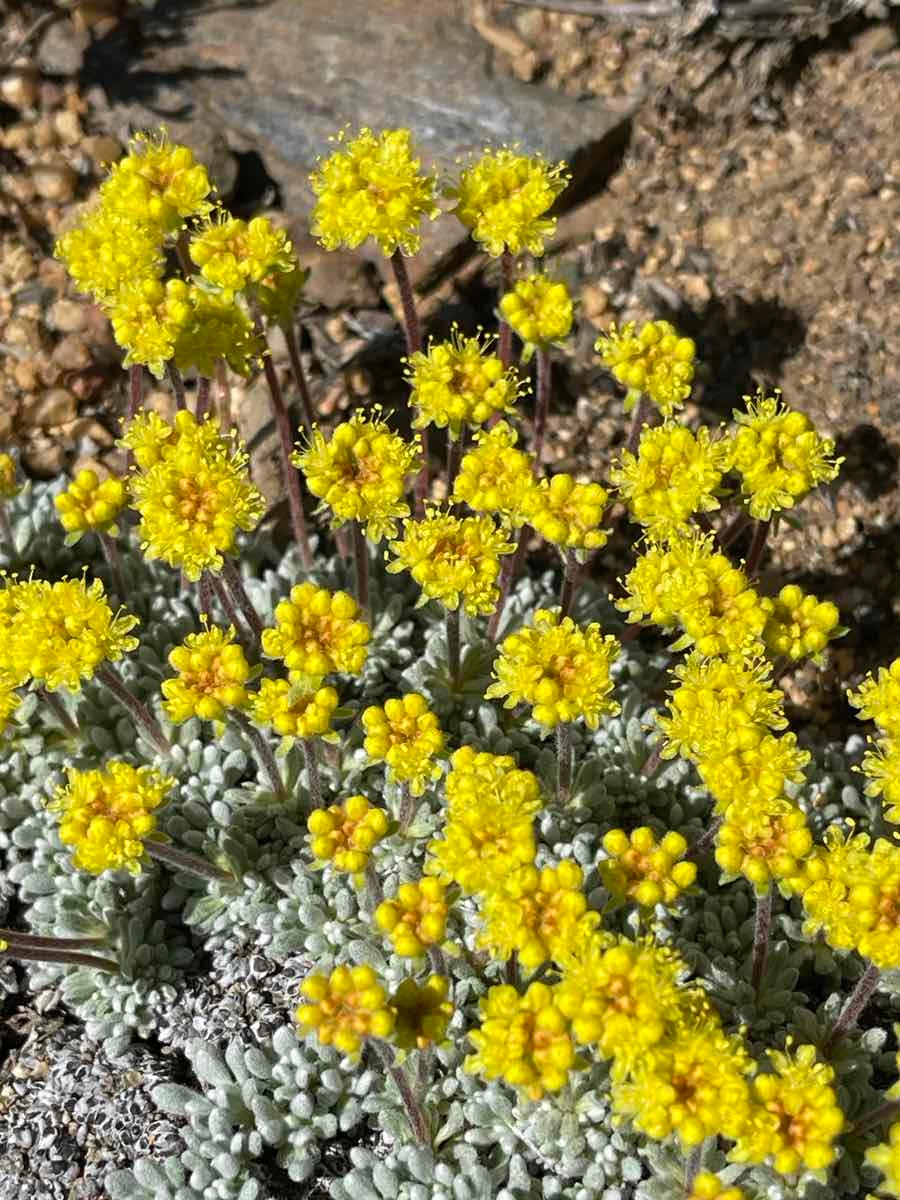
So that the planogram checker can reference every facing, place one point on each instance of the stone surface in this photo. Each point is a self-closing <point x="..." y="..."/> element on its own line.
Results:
<point x="283" y="77"/>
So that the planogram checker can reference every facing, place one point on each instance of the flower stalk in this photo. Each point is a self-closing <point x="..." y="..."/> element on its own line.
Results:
<point x="854" y="1006"/>
<point x="177" y="386"/>
<point x="313" y="774"/>
<point x="571" y="578"/>
<point x="413" y="333"/>
<point x="114" y="562"/>
<point x="63" y="951"/>
<point x="59" y="710"/>
<point x="235" y="585"/>
<point x="564" y="761"/>
<point x="361" y="568"/>
<point x="111" y="679"/>
<point x="757" y="546"/>
<point x="504" y="337"/>
<point x="762" y="930"/>
<point x="293" y="349"/>
<point x="181" y="860"/>
<point x="415" y="1112"/>
<point x="261" y="749"/>
<point x="452" y="626"/>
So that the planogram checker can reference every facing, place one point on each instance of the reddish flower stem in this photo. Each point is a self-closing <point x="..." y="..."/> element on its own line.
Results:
<point x="114" y="562"/>
<point x="181" y="860"/>
<point x="235" y="585"/>
<point x="455" y="447"/>
<point x="110" y="678"/>
<point x="261" y="749"/>
<point x="73" y="958"/>
<point x="135" y="388"/>
<point x="509" y="573"/>
<point x="854" y="1006"/>
<point x="361" y="567"/>
<point x="757" y="546"/>
<point x="564" y="760"/>
<point x="313" y="775"/>
<point x="504" y="339"/>
<point x="642" y="414"/>
<point x="293" y="348"/>
<point x="413" y="333"/>
<point x="762" y="929"/>
<point x="59" y="711"/>
<point x="452" y="625"/>
<point x="571" y="579"/>
<point x="203" y="395"/>
<point x="177" y="386"/>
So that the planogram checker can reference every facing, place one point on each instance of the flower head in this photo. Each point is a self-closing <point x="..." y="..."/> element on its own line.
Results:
<point x="800" y="625"/>
<point x="158" y="180"/>
<point x="504" y="198"/>
<point x="885" y="1157"/>
<point x="106" y="815"/>
<point x="372" y="186"/>
<point x="524" y="1040"/>
<point x="655" y="362"/>
<point x="566" y="513"/>
<point x="416" y="917"/>
<point x="778" y="455"/>
<point x="293" y="711"/>
<point x="233" y="254"/>
<point x="108" y="252"/>
<point x="881" y="767"/>
<point x="878" y="698"/>
<point x="89" y="503"/>
<point x="495" y="477"/>
<point x="707" y="1186"/>
<point x="345" y="1007"/>
<point x="192" y="490"/>
<point x="59" y="633"/>
<point x="794" y="1117"/>
<point x="212" y="676"/>
<point x="455" y="560"/>
<point x="643" y="870"/>
<point x="407" y="736"/>
<point x="458" y="383"/>
<point x="9" y="485"/>
<point x="317" y="632"/>
<point x="756" y="772"/>
<point x="217" y="329"/>
<point x="360" y="474"/>
<point x="344" y="834"/>
<point x="538" y="914"/>
<point x="148" y="317"/>
<point x="539" y="310"/>
<point x="675" y="474"/>
<point x="561" y="669"/>
<point x="764" y="843"/>
<point x="423" y="1012"/>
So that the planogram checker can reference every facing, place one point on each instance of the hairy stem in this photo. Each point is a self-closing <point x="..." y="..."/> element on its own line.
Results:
<point x="757" y="546"/>
<point x="374" y="890"/>
<point x="361" y="568"/>
<point x="261" y="749"/>
<point x="110" y="678"/>
<point x="73" y="958"/>
<point x="408" y="806"/>
<point x="564" y="761"/>
<point x="203" y="395"/>
<point x="651" y="763"/>
<point x="114" y="562"/>
<point x="182" y="860"/>
<point x="455" y="448"/>
<point x="293" y="348"/>
<point x="705" y="840"/>
<point x="59" y="710"/>
<point x="34" y="941"/>
<point x="413" y="332"/>
<point x="692" y="1168"/>
<point x="414" y="1110"/>
<point x="452" y="623"/>
<point x="235" y="584"/>
<point x="313" y="775"/>
<point x="854" y="1005"/>
<point x="509" y="573"/>
<point x="504" y="340"/>
<point x="542" y="401"/>
<point x="642" y="414"/>
<point x="571" y="577"/>
<point x="177" y="386"/>
<point x="883" y="1114"/>
<point x="135" y="388"/>
<point x="762" y="929"/>
<point x="223" y="394"/>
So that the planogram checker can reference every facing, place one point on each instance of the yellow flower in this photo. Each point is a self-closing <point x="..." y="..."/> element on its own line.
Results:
<point x="495" y="477"/>
<point x="59" y="633"/>
<point x="765" y="844"/>
<point x="360" y="475"/>
<point x="800" y="625"/>
<point x="423" y="1012"/>
<point x="566" y="513"/>
<point x="212" y="676"/>
<point x="106" y="815"/>
<point x="111" y="251"/>
<point x="641" y="869"/>
<point x="794" y="1116"/>
<point x="455" y="560"/>
<point x="88" y="503"/>
<point x="147" y="318"/>
<point x="756" y="773"/>
<point x="159" y="182"/>
<point x="345" y="1007"/>
<point x="693" y="1085"/>
<point x="886" y="1158"/>
<point x="372" y="187"/>
<point x="540" y="915"/>
<point x="561" y="669"/>
<point x="878" y="698"/>
<point x="233" y="254"/>
<point x="344" y="834"/>
<point x="718" y="705"/>
<point x="647" y="591"/>
<point x="882" y="768"/>
<point x="539" y="310"/>
<point x="197" y="494"/>
<point x="149" y="437"/>
<point x="623" y="996"/>
<point x="317" y="632"/>
<point x="778" y="455"/>
<point x="489" y="831"/>
<point x="218" y="330"/>
<point x="416" y="917"/>
<point x="524" y="1040"/>
<point x="708" y="1186"/>
<point x="278" y="292"/>
<point x="406" y="736"/>
<point x="655" y="362"/>
<point x="294" y="712"/>
<point x="504" y="198"/>
<point x="675" y="474"/>
<point x="9" y="486"/>
<point x="458" y="383"/>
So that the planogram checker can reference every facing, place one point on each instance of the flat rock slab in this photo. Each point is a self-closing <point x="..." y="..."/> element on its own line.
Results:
<point x="281" y="78"/>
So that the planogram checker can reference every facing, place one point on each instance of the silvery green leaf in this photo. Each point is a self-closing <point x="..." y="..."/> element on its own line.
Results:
<point x="207" y="1065"/>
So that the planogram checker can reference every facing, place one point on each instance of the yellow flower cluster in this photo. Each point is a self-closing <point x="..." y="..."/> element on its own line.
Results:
<point x="878" y="700"/>
<point x="540" y="915"/>
<point x="192" y="488"/>
<point x="504" y="198"/>
<point x="794" y="1115"/>
<point x="567" y="514"/>
<point x="539" y="310"/>
<point x="495" y="477"/>
<point x="345" y="1007"/>
<point x="488" y="831"/>
<point x="106" y="815"/>
<point x="455" y="560"/>
<point x="800" y="625"/>
<point x="372" y="186"/>
<point x="675" y="474"/>
<point x="57" y="634"/>
<point x="360" y="474"/>
<point x="886" y="1158"/>
<point x="778" y="455"/>
<point x="316" y="633"/>
<point x="558" y="667"/>
<point x="458" y="383"/>
<point x="685" y="581"/>
<point x="655" y="362"/>
<point x="766" y="843"/>
<point x="423" y="1012"/>
<point x="233" y="254"/>
<point x="9" y="484"/>
<point x="212" y="676"/>
<point x="158" y="182"/>
<point x="641" y="869"/>
<point x="525" y="1040"/>
<point x="294" y="712"/>
<point x="708" y="1186"/>
<point x="87" y="503"/>
<point x="407" y="736"/>
<point x="344" y="834"/>
<point x="416" y="917"/>
<point x="109" y="251"/>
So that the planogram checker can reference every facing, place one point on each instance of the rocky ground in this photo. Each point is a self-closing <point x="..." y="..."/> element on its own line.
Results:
<point x="744" y="181"/>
